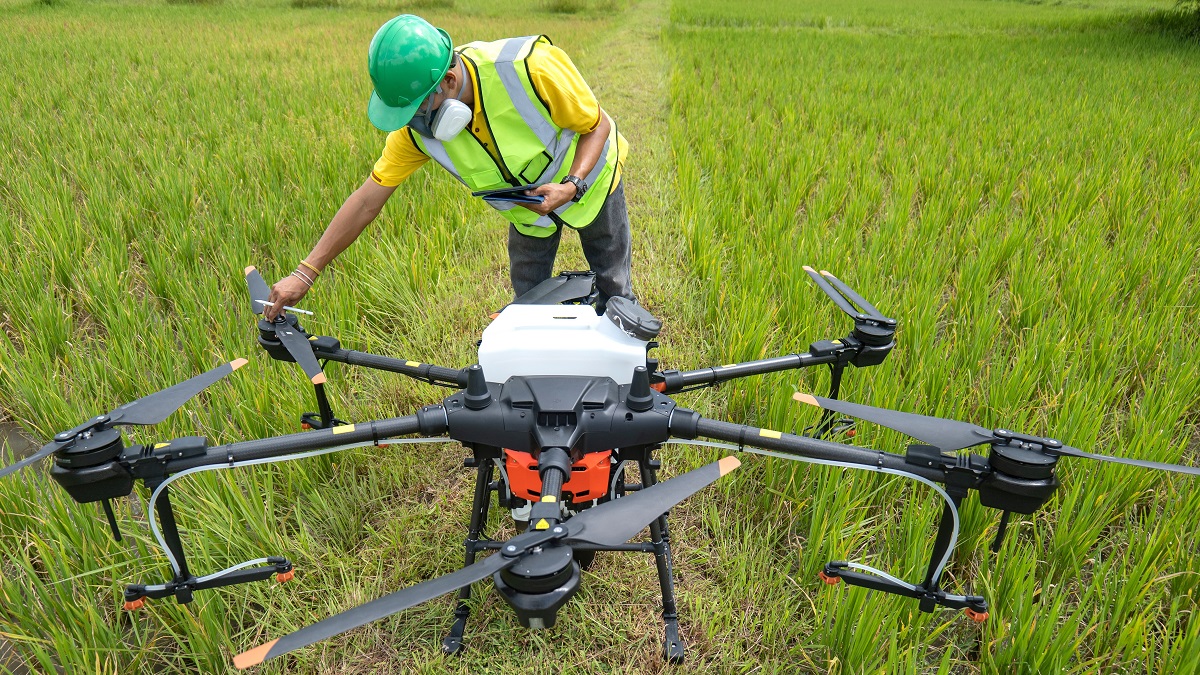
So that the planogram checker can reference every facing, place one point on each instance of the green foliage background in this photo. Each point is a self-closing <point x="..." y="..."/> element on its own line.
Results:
<point x="1015" y="182"/>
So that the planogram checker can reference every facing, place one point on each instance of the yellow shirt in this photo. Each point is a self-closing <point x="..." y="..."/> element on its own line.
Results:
<point x="571" y="103"/>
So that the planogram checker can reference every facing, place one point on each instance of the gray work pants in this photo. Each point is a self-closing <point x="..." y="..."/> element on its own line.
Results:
<point x="606" y="246"/>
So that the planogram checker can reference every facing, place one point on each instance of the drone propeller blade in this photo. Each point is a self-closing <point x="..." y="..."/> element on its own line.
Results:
<point x="297" y="345"/>
<point x="259" y="291"/>
<point x="295" y="342"/>
<point x="559" y="290"/>
<point x="149" y="409"/>
<point x="155" y="407"/>
<point x="829" y="290"/>
<point x="616" y="522"/>
<point x="17" y="466"/>
<point x="374" y="610"/>
<point x="1068" y="451"/>
<point x="946" y="435"/>
<point x="854" y="297"/>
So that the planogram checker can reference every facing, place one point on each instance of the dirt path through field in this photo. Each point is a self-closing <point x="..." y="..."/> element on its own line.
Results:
<point x="630" y="72"/>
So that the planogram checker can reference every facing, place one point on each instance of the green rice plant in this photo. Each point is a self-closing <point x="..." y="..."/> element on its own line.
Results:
<point x="1014" y="182"/>
<point x="957" y="166"/>
<point x="566" y="6"/>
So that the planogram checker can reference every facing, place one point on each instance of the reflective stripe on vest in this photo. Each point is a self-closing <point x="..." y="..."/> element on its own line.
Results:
<point x="525" y="136"/>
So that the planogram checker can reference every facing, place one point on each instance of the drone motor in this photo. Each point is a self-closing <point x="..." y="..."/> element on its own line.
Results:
<point x="541" y="583"/>
<point x="1022" y="477"/>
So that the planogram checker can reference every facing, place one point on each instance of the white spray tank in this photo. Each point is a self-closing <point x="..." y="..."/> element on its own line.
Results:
<point x="567" y="340"/>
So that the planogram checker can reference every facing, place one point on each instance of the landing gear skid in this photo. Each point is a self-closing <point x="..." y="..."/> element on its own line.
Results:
<point x="673" y="647"/>
<point x="452" y="644"/>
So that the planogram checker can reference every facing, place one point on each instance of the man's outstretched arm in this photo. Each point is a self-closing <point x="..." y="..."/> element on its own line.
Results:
<point x="358" y="211"/>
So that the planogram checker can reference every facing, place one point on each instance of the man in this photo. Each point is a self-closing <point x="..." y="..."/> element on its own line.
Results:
<point x="495" y="115"/>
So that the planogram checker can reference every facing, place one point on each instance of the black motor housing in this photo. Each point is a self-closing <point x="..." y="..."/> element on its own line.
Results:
<point x="538" y="585"/>
<point x="1022" y="479"/>
<point x="87" y="466"/>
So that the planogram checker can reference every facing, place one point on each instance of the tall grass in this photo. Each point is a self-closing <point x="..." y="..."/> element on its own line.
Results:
<point x="1014" y="182"/>
<point x="1016" y="185"/>
<point x="148" y="159"/>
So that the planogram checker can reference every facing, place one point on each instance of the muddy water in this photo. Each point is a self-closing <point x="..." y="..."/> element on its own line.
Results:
<point x="9" y="661"/>
<point x="17" y="442"/>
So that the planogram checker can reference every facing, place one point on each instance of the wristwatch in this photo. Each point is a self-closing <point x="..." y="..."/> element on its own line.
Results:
<point x="581" y="187"/>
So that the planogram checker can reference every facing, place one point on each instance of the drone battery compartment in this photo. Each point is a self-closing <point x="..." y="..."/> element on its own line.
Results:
<point x="588" y="480"/>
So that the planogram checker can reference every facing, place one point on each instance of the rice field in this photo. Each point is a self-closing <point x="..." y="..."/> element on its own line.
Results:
<point x="1015" y="182"/>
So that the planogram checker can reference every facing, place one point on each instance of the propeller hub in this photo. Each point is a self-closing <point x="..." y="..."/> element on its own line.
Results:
<point x="1022" y="460"/>
<point x="92" y="449"/>
<point x="540" y="571"/>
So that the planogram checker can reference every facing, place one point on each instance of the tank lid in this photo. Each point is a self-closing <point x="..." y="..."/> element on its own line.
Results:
<point x="632" y="318"/>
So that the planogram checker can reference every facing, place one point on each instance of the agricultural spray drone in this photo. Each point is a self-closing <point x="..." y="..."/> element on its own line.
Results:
<point x="561" y="401"/>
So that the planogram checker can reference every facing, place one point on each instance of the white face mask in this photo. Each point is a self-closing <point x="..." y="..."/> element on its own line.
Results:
<point x="450" y="118"/>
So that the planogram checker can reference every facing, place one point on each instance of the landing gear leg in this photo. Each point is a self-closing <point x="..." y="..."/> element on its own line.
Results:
<point x="453" y="642"/>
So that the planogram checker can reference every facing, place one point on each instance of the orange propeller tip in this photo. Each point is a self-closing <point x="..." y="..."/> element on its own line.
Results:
<point x="249" y="269"/>
<point x="808" y="269"/>
<point x="806" y="398"/>
<point x="728" y="464"/>
<point x="254" y="656"/>
<point x="238" y="363"/>
<point x="319" y="378"/>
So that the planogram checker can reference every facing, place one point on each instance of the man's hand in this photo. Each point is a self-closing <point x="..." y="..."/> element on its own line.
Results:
<point x="287" y="291"/>
<point x="556" y="195"/>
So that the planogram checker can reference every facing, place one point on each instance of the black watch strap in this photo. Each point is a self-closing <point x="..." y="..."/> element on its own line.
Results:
<point x="581" y="187"/>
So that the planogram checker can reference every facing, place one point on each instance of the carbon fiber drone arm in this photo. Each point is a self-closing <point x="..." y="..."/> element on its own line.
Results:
<point x="430" y="420"/>
<point x="115" y="466"/>
<point x="330" y="349"/>
<point x="959" y="474"/>
<point x="326" y="348"/>
<point x="688" y="424"/>
<point x="674" y="381"/>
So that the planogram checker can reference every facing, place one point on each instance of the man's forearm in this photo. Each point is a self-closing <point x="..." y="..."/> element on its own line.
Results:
<point x="587" y="152"/>
<point x="358" y="211"/>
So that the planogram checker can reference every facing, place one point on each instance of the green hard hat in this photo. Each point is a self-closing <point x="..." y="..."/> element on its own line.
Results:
<point x="407" y="59"/>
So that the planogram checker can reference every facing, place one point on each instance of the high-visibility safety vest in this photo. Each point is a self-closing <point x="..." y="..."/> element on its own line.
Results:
<point x="534" y="149"/>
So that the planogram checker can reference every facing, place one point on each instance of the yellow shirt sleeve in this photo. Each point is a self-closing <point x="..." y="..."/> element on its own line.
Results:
<point x="570" y="100"/>
<point x="401" y="157"/>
